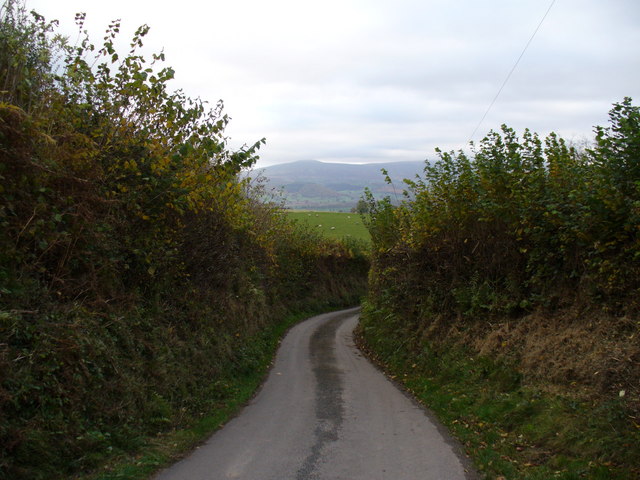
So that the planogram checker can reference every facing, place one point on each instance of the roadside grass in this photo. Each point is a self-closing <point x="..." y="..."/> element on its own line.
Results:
<point x="151" y="454"/>
<point x="337" y="225"/>
<point x="510" y="430"/>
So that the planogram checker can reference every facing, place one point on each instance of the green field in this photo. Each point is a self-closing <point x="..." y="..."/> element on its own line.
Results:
<point x="334" y="224"/>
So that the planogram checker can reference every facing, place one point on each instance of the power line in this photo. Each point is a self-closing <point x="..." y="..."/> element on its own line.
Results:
<point x="511" y="72"/>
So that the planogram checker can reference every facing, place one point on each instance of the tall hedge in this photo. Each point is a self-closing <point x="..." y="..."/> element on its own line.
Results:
<point x="137" y="269"/>
<point x="520" y="223"/>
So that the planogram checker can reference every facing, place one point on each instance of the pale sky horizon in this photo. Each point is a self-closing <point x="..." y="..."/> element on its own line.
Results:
<point x="358" y="81"/>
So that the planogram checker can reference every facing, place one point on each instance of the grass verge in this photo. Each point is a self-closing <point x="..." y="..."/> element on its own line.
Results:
<point x="155" y="453"/>
<point x="510" y="429"/>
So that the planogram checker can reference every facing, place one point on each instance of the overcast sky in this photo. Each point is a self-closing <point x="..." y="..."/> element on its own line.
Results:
<point x="385" y="80"/>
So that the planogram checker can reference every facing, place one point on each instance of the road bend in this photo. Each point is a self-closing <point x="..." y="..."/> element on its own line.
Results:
<point x="326" y="413"/>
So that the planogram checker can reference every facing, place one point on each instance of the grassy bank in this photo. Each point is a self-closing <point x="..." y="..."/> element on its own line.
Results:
<point x="240" y="384"/>
<point x="82" y="386"/>
<point x="511" y="428"/>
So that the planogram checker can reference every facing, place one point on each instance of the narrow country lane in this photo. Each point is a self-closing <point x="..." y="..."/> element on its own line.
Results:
<point x="326" y="413"/>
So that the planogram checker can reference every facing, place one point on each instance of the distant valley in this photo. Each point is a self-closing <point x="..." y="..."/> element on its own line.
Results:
<point x="315" y="185"/>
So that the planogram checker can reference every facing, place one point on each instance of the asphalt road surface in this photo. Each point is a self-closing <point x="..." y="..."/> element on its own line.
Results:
<point x="326" y="413"/>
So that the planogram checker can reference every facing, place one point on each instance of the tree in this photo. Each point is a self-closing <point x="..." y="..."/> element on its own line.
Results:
<point x="361" y="208"/>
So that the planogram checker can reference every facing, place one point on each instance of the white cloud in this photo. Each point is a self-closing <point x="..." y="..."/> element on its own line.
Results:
<point x="358" y="80"/>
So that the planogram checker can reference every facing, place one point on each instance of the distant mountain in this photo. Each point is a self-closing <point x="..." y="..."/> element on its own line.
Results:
<point x="314" y="171"/>
<point x="315" y="185"/>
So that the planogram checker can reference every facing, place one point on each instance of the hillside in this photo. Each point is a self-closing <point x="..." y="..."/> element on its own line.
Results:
<point x="311" y="184"/>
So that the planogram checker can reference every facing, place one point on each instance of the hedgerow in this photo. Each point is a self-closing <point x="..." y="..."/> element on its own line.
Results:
<point x="135" y="262"/>
<point x="521" y="223"/>
<point x="504" y="293"/>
